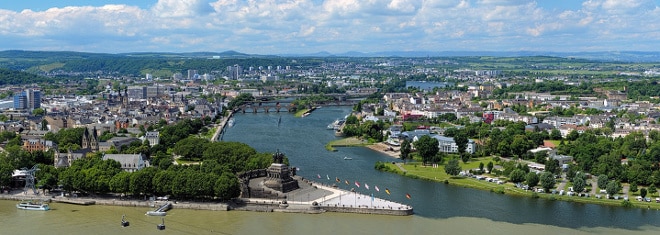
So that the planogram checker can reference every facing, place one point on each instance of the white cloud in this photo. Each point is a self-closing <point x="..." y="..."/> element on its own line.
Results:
<point x="333" y="25"/>
<point x="181" y="8"/>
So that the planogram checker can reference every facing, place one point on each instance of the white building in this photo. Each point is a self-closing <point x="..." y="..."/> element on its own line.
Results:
<point x="129" y="162"/>
<point x="447" y="145"/>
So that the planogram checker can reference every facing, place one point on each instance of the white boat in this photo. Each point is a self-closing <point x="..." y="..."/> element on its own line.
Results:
<point x="161" y="211"/>
<point x="335" y="125"/>
<point x="230" y="123"/>
<point x="157" y="213"/>
<point x="348" y="158"/>
<point x="32" y="206"/>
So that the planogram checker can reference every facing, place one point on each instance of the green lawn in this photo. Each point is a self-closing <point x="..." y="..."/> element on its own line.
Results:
<point x="345" y="142"/>
<point x="417" y="171"/>
<point x="299" y="113"/>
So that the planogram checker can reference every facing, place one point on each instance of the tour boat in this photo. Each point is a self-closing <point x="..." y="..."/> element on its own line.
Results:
<point x="32" y="206"/>
<point x="348" y="158"/>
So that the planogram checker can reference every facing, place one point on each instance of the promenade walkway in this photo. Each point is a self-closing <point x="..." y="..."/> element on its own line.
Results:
<point x="328" y="196"/>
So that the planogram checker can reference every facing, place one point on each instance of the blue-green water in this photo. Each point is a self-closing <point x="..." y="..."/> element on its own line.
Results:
<point x="303" y="140"/>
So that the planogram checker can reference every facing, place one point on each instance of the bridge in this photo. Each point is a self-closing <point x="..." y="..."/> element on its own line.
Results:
<point x="266" y="106"/>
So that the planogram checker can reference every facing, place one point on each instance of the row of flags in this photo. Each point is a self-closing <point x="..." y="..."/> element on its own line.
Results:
<point x="357" y="184"/>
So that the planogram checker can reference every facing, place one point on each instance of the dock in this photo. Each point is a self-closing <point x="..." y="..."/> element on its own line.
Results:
<point x="74" y="201"/>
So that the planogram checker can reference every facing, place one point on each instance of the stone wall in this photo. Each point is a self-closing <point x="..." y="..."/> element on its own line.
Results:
<point x="363" y="210"/>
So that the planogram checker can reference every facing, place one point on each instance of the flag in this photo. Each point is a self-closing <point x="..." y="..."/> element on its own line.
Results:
<point x="318" y="176"/>
<point x="357" y="184"/>
<point x="346" y="181"/>
<point x="407" y="195"/>
<point x="387" y="191"/>
<point x="366" y="185"/>
<point x="327" y="176"/>
<point x="338" y="180"/>
<point x="377" y="189"/>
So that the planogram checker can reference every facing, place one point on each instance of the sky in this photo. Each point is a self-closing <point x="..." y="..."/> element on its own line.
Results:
<point x="335" y="26"/>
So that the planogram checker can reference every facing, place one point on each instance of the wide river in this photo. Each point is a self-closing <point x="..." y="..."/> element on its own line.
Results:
<point x="439" y="208"/>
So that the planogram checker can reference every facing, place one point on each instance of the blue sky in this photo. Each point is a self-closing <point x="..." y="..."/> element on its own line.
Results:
<point x="336" y="26"/>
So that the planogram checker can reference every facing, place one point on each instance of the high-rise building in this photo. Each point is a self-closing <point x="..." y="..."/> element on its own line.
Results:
<point x="20" y="101"/>
<point x="192" y="73"/>
<point x="28" y="99"/>
<point x="235" y="71"/>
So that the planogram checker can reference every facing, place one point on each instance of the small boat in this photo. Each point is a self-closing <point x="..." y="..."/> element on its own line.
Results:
<point x="161" y="226"/>
<point x="124" y="222"/>
<point x="230" y="123"/>
<point x="157" y="213"/>
<point x="32" y="206"/>
<point x="348" y="158"/>
<point x="161" y="211"/>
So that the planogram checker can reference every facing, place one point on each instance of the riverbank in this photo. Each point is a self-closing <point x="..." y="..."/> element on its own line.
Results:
<point x="346" y="142"/>
<point x="109" y="201"/>
<point x="437" y="174"/>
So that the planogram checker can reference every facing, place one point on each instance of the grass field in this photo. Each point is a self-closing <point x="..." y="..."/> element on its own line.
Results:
<point x="417" y="171"/>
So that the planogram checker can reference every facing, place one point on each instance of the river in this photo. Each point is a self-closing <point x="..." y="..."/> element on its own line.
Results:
<point x="439" y="208"/>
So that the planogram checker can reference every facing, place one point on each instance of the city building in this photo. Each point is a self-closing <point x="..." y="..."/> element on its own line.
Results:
<point x="28" y="99"/>
<point x="129" y="162"/>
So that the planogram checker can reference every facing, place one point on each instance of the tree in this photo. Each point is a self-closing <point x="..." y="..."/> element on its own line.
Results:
<point x="465" y="157"/>
<point x="452" y="167"/>
<point x="351" y="119"/>
<point x="573" y="135"/>
<point x="427" y="147"/>
<point x="44" y="125"/>
<point x="652" y="189"/>
<point x="517" y="176"/>
<point x="633" y="187"/>
<point x="552" y="166"/>
<point x="642" y="192"/>
<point x="602" y="181"/>
<point x="613" y="187"/>
<point x="490" y="167"/>
<point x="481" y="166"/>
<point x="191" y="148"/>
<point x="578" y="184"/>
<point x="405" y="150"/>
<point x="547" y="181"/>
<point x="555" y="134"/>
<point x="461" y="141"/>
<point x="38" y="112"/>
<point x="532" y="179"/>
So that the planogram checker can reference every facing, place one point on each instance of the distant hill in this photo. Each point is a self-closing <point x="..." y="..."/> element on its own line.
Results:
<point x="11" y="77"/>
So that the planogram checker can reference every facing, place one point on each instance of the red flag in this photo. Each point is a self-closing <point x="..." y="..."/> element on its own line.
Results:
<point x="318" y="176"/>
<point x="407" y="195"/>
<point x="357" y="184"/>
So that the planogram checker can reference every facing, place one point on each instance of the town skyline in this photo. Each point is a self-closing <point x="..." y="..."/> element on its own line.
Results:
<point x="306" y="26"/>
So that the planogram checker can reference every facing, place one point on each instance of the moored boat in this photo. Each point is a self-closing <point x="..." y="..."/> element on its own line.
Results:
<point x="157" y="213"/>
<point x="348" y="158"/>
<point x="33" y="206"/>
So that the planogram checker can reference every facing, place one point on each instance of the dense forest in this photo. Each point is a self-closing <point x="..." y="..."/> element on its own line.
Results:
<point x="10" y="77"/>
